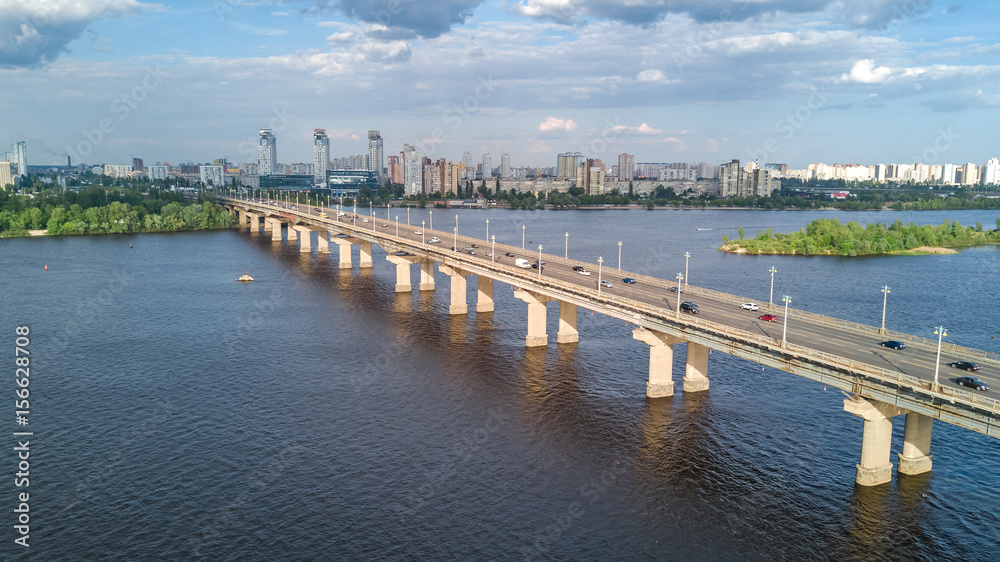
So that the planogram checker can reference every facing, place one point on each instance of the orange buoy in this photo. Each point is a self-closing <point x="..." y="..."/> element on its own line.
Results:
<point x="46" y="268"/>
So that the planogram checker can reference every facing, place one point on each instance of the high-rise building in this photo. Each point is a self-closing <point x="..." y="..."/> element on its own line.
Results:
<point x="268" y="147"/>
<point x="137" y="165"/>
<point x="321" y="156"/>
<point x="413" y="181"/>
<point x="157" y="172"/>
<point x="504" y="165"/>
<point x="6" y="175"/>
<point x="970" y="174"/>
<point x="567" y="163"/>
<point x="730" y="179"/>
<point x="991" y="172"/>
<point x="117" y="170"/>
<point x="214" y="175"/>
<point x="375" y="160"/>
<point x="470" y="168"/>
<point x="487" y="166"/>
<point x="21" y="157"/>
<point x="626" y="167"/>
<point x="395" y="167"/>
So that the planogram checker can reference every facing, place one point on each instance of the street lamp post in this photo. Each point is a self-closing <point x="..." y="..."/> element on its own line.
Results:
<point x="422" y="232"/>
<point x="770" y="299"/>
<point x="619" y="256"/>
<point x="455" y="247"/>
<point x="784" y="330"/>
<point x="940" y="333"/>
<point x="494" y="251"/>
<point x="522" y="236"/>
<point x="456" y="221"/>
<point x="397" y="226"/>
<point x="885" y="298"/>
<point x="431" y="218"/>
<point x="487" y="229"/>
<point x="407" y="216"/>
<point x="567" y="246"/>
<point x="687" y="255"/>
<point x="680" y="277"/>
<point x="539" y="261"/>
<point x="600" y="271"/>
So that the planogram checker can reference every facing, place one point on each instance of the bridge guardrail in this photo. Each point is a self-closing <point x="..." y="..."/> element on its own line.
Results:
<point x="630" y="307"/>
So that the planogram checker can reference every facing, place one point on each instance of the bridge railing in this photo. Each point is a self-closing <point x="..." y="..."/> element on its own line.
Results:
<point x="630" y="308"/>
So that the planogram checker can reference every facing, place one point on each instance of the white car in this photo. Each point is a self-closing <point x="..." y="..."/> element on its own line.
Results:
<point x="752" y="306"/>
<point x="583" y="272"/>
<point x="419" y="232"/>
<point x="340" y="213"/>
<point x="606" y="284"/>
<point x="364" y="220"/>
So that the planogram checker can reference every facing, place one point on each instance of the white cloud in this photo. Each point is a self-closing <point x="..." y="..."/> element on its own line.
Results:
<point x="643" y="129"/>
<point x="555" y="124"/>
<point x="651" y="75"/>
<point x="864" y="72"/>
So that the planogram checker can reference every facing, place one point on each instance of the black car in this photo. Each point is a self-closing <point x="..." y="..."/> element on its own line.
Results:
<point x="535" y="266"/>
<point x="676" y="289"/>
<point x="964" y="365"/>
<point x="689" y="307"/>
<point x="509" y="254"/>
<point x="577" y="267"/>
<point x="893" y="344"/>
<point x="972" y="382"/>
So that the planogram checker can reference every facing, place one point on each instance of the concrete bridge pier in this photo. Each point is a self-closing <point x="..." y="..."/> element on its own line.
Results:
<point x="427" y="275"/>
<point x="403" y="264"/>
<point x="254" y="223"/>
<point x="661" y="361"/>
<point x="459" y="299"/>
<point x="275" y="229"/>
<point x="305" y="244"/>
<point x="366" y="256"/>
<point x="876" y="440"/>
<point x="537" y="337"/>
<point x="240" y="217"/>
<point x="696" y="371"/>
<point x="344" y="249"/>
<point x="484" y="302"/>
<point x="267" y="225"/>
<point x="916" y="457"/>
<point x="322" y="241"/>
<point x="567" y="324"/>
<point x="292" y="234"/>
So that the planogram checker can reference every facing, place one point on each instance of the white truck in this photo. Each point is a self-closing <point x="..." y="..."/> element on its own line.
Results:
<point x="523" y="264"/>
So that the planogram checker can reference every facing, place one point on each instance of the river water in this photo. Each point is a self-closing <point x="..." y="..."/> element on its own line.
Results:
<point x="315" y="414"/>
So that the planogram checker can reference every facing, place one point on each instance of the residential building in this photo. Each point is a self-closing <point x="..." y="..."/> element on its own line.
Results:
<point x="213" y="175"/>
<point x="396" y="169"/>
<point x="375" y="158"/>
<point x="321" y="155"/>
<point x="991" y="172"/>
<point x="970" y="174"/>
<point x="137" y="165"/>
<point x="413" y="180"/>
<point x="487" y="166"/>
<point x="730" y="179"/>
<point x="567" y="164"/>
<point x="626" y="167"/>
<point x="7" y="174"/>
<point x="268" y="149"/>
<point x="117" y="170"/>
<point x="504" y="165"/>
<point x="157" y="172"/>
<point x="21" y="157"/>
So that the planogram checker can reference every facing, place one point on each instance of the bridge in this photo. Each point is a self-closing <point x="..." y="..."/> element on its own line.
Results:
<point x="879" y="383"/>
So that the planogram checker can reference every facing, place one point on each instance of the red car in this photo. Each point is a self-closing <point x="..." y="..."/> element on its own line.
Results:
<point x="768" y="317"/>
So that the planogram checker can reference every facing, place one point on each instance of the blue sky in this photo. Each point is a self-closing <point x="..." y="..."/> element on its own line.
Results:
<point x="794" y="81"/>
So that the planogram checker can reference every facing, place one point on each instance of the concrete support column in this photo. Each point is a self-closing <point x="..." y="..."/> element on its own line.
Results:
<point x="427" y="275"/>
<point x="268" y="225"/>
<point x="305" y="244"/>
<point x="241" y="218"/>
<point x="661" y="361"/>
<point x="323" y="241"/>
<point x="876" y="440"/>
<point x="275" y="229"/>
<point x="254" y="223"/>
<point x="402" y="273"/>
<point x="696" y="371"/>
<point x="459" y="298"/>
<point x="916" y="457"/>
<point x="484" y="302"/>
<point x="366" y="255"/>
<point x="344" y="248"/>
<point x="537" y="337"/>
<point x="567" y="323"/>
<point x="292" y="234"/>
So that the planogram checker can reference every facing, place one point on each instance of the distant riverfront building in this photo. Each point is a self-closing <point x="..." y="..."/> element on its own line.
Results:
<point x="376" y="161"/>
<point x="321" y="155"/>
<point x="268" y="149"/>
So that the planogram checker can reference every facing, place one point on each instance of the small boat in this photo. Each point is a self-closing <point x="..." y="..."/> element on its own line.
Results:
<point x="245" y="278"/>
<point x="703" y="229"/>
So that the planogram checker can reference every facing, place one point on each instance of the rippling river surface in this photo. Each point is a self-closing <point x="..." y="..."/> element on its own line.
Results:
<point x="315" y="414"/>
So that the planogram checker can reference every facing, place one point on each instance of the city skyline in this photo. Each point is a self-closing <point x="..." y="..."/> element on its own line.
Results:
<point x="854" y="82"/>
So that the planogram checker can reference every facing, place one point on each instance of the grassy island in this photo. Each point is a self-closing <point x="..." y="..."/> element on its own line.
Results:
<point x="828" y="237"/>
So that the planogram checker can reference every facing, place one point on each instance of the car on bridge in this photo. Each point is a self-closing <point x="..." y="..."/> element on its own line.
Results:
<point x="578" y="267"/>
<point x="690" y="307"/>
<point x="676" y="289"/>
<point x="434" y="240"/>
<point x="964" y="365"/>
<point x="751" y="306"/>
<point x="606" y="284"/>
<point x="509" y="254"/>
<point x="628" y="281"/>
<point x="972" y="382"/>
<point x="364" y="220"/>
<point x="419" y="232"/>
<point x="583" y="272"/>
<point x="385" y="224"/>
<point x="471" y="252"/>
<point x="893" y="344"/>
<point x="768" y="318"/>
